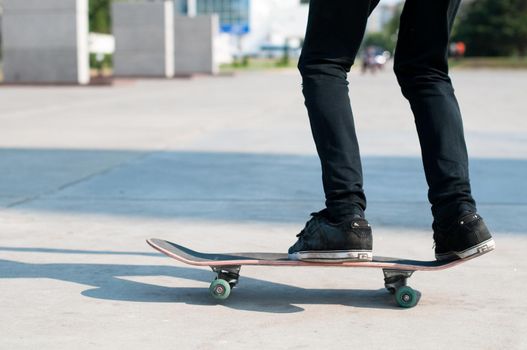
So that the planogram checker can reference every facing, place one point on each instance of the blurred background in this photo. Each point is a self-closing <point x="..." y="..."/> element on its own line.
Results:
<point x="181" y="37"/>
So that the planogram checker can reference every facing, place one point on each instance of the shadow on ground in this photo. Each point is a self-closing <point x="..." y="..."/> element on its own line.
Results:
<point x="238" y="186"/>
<point x="114" y="282"/>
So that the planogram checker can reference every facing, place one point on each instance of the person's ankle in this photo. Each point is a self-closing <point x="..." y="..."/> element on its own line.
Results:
<point x="338" y="219"/>
<point x="446" y="220"/>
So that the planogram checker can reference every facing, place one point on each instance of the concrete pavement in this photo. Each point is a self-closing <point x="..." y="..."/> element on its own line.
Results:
<point x="228" y="164"/>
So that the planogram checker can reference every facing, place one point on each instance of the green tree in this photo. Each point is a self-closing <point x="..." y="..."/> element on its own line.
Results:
<point x="387" y="38"/>
<point x="100" y="20"/>
<point x="380" y="39"/>
<point x="493" y="28"/>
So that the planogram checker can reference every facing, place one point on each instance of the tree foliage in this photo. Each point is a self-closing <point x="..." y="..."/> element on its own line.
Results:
<point x="494" y="27"/>
<point x="100" y="20"/>
<point x="387" y="38"/>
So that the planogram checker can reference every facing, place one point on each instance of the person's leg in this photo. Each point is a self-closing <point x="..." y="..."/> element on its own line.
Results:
<point x="334" y="34"/>
<point x="421" y="66"/>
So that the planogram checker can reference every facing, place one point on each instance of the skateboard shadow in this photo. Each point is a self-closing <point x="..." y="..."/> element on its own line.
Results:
<point x="124" y="283"/>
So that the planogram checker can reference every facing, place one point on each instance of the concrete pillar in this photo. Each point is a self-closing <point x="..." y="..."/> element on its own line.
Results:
<point x="45" y="41"/>
<point x="194" y="44"/>
<point x="144" y="38"/>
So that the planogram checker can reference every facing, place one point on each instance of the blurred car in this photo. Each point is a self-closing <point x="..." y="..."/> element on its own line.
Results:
<point x="374" y="58"/>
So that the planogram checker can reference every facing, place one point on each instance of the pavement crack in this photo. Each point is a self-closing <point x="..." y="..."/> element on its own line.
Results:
<point x="77" y="181"/>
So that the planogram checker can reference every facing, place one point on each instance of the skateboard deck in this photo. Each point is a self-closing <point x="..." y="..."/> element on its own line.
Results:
<point x="227" y="268"/>
<point x="192" y="257"/>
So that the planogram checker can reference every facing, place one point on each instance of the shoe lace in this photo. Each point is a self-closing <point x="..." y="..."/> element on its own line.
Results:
<point x="303" y="232"/>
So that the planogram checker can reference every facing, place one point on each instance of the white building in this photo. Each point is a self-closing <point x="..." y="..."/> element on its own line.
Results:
<point x="247" y="26"/>
<point x="274" y="22"/>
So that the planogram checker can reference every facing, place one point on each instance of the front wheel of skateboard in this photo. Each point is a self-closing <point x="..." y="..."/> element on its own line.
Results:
<point x="406" y="297"/>
<point x="220" y="289"/>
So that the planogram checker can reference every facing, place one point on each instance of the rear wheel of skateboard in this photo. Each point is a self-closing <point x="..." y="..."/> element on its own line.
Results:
<point x="406" y="297"/>
<point x="220" y="289"/>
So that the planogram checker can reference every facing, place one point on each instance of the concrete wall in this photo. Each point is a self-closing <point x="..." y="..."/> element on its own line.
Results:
<point x="194" y="41"/>
<point x="45" y="41"/>
<point x="144" y="38"/>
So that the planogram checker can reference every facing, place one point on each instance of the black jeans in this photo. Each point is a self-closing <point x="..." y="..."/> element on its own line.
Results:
<point x="334" y="33"/>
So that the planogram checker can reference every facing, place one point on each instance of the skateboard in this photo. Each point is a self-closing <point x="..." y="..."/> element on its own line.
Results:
<point x="227" y="268"/>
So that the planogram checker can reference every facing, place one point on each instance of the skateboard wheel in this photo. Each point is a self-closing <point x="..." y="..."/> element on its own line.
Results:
<point x="220" y="289"/>
<point x="406" y="297"/>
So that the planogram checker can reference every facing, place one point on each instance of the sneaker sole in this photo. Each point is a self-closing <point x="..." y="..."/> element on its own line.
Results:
<point x="333" y="255"/>
<point x="446" y="256"/>
<point x="480" y="249"/>
<point x="472" y="252"/>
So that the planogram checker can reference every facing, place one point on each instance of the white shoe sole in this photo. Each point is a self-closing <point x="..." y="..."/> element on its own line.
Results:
<point x="480" y="249"/>
<point x="333" y="255"/>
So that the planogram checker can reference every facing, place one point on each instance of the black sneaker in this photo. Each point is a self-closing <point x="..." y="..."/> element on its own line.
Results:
<point x="324" y="241"/>
<point x="465" y="238"/>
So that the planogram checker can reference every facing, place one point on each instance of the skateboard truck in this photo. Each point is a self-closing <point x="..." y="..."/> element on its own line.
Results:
<point x="226" y="279"/>
<point x="394" y="279"/>
<point x="395" y="282"/>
